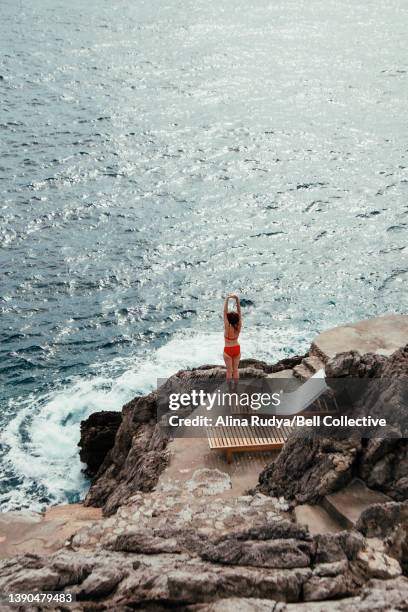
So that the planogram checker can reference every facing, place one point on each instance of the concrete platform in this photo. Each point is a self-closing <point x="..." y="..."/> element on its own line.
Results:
<point x="347" y="505"/>
<point x="382" y="335"/>
<point x="190" y="454"/>
<point x="31" y="532"/>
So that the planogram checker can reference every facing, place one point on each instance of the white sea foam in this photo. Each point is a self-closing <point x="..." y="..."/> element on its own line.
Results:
<point x="50" y="456"/>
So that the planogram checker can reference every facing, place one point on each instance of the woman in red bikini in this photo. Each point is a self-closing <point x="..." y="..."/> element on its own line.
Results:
<point x="232" y="329"/>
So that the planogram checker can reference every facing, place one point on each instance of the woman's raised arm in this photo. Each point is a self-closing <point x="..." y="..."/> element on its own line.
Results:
<point x="238" y="306"/>
<point x="226" y="309"/>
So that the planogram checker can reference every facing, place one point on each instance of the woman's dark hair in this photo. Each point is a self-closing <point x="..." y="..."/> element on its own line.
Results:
<point x="233" y="319"/>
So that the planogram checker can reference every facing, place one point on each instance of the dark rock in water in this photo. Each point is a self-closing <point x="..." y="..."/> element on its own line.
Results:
<point x="245" y="302"/>
<point x="308" y="468"/>
<point x="97" y="438"/>
<point x="136" y="459"/>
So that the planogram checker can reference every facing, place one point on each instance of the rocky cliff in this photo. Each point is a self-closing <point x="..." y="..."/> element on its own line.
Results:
<point x="138" y="453"/>
<point x="191" y="544"/>
<point x="309" y="468"/>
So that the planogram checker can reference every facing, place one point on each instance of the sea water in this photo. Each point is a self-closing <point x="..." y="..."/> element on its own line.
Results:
<point x="157" y="155"/>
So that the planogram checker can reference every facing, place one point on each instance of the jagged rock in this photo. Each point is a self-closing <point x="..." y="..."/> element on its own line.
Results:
<point x="134" y="463"/>
<point x="390" y="523"/>
<point x="307" y="469"/>
<point x="376" y="596"/>
<point x="98" y="433"/>
<point x="310" y="467"/>
<point x="385" y="595"/>
<point x="164" y="579"/>
<point x="279" y="545"/>
<point x="284" y="364"/>
<point x="143" y="570"/>
<point x="384" y="466"/>
<point x="337" y="547"/>
<point x="146" y="543"/>
<point x="330" y="569"/>
<point x="272" y="553"/>
<point x="351" y="363"/>
<point x="203" y="583"/>
<point x="28" y="580"/>
<point x="379" y="565"/>
<point x="100" y="583"/>
<point x="27" y="573"/>
<point x="330" y="587"/>
<point x="380" y="520"/>
<point x="275" y="531"/>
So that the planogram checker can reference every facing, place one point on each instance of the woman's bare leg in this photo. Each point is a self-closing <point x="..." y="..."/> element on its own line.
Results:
<point x="235" y="366"/>
<point x="228" y="365"/>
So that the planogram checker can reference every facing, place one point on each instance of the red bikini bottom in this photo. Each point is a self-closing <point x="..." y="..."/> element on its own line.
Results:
<point x="232" y="351"/>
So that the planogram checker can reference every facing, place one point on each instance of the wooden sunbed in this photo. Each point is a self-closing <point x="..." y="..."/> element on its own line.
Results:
<point x="237" y="439"/>
<point x="234" y="439"/>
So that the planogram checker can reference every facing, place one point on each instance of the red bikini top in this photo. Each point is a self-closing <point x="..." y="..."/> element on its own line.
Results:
<point x="231" y="339"/>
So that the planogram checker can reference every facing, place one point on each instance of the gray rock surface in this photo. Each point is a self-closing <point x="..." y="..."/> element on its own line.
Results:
<point x="381" y="336"/>
<point x="308" y="468"/>
<point x="177" y="547"/>
<point x="389" y="523"/>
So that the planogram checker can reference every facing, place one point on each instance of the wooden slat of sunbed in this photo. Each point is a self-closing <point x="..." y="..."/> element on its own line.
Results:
<point x="225" y="436"/>
<point x="249" y="436"/>
<point x="262" y="435"/>
<point x="221" y="441"/>
<point x="281" y="435"/>
<point x="271" y="436"/>
<point x="242" y="435"/>
<point x="230" y="436"/>
<point x="276" y="435"/>
<point x="215" y="438"/>
<point x="285" y="433"/>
